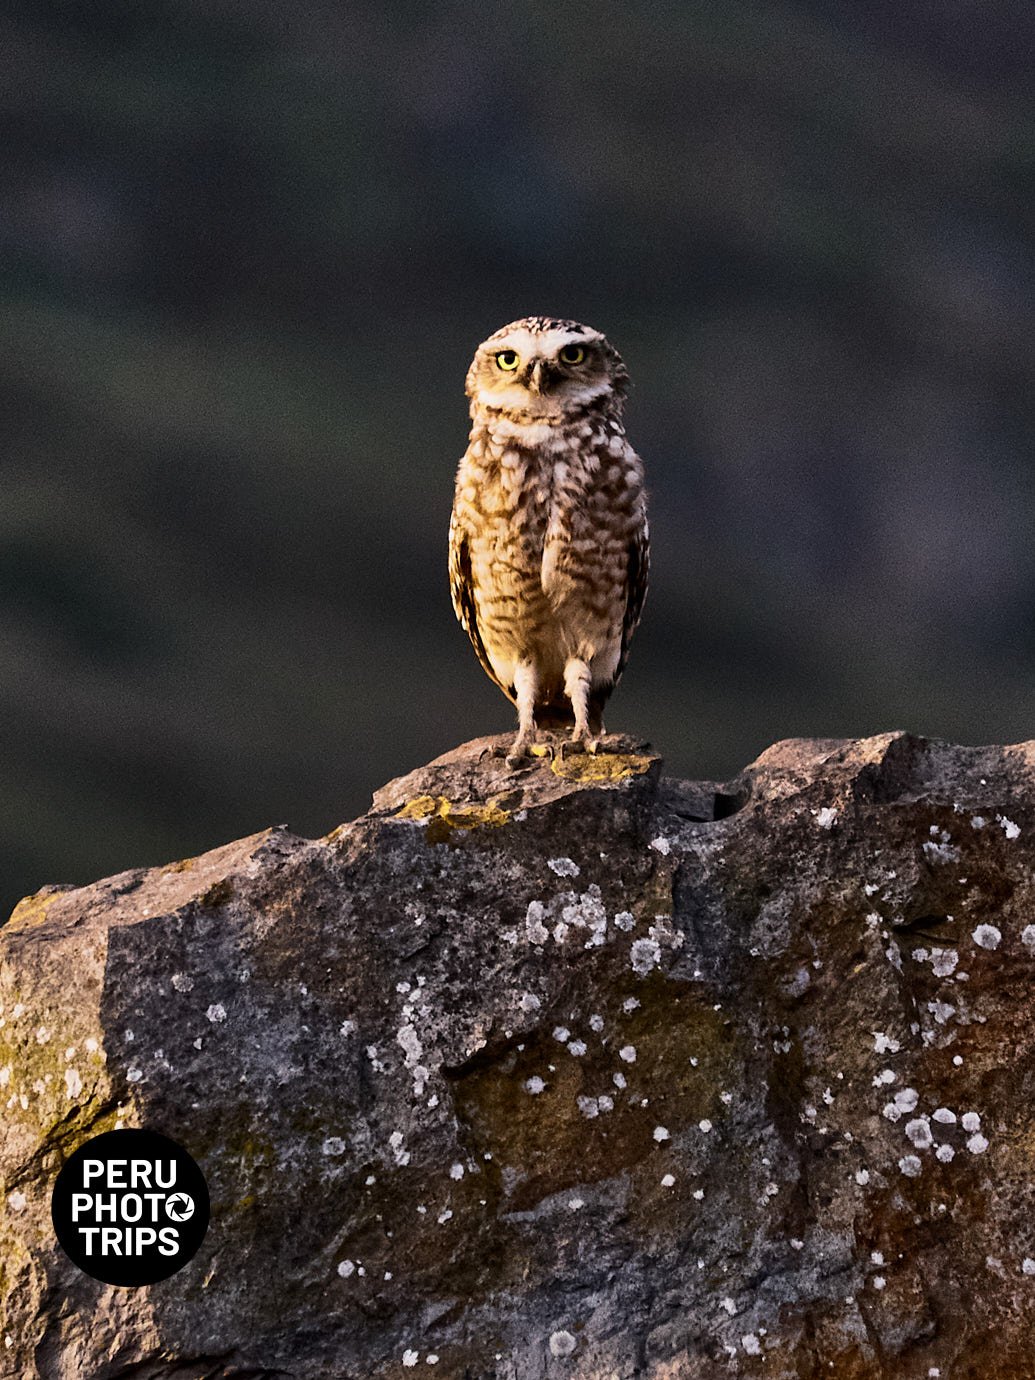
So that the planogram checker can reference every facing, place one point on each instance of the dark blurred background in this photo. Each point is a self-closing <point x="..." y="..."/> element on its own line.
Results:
<point x="248" y="250"/>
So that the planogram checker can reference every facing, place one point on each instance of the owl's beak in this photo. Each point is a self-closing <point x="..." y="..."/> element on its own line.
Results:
<point x="535" y="377"/>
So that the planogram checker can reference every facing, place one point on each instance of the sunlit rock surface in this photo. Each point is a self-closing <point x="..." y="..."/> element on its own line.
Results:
<point x="572" y="1072"/>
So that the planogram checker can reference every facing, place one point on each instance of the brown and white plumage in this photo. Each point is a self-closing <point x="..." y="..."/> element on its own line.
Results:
<point x="548" y="542"/>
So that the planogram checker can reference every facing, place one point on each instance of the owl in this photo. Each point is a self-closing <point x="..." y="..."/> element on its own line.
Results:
<point x="548" y="541"/>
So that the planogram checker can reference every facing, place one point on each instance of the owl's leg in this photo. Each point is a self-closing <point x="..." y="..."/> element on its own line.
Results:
<point x="526" y="683"/>
<point x="577" y="684"/>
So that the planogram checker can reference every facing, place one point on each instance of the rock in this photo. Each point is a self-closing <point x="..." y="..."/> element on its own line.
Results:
<point x="570" y="1072"/>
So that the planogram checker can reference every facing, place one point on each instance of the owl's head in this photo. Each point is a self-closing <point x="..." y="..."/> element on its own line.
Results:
<point x="545" y="369"/>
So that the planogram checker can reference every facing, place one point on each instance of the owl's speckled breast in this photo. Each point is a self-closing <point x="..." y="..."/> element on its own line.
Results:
<point x="549" y="510"/>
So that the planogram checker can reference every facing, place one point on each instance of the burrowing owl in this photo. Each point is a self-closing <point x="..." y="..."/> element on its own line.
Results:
<point x="548" y="546"/>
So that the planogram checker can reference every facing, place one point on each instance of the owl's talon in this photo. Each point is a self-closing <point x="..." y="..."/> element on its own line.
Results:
<point x="518" y="755"/>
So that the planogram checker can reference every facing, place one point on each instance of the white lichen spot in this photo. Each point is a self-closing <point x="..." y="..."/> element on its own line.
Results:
<point x="134" y="1075"/>
<point x="456" y="1170"/>
<point x="216" y="1012"/>
<point x="42" y="1035"/>
<point x="942" y="1011"/>
<point x="375" y="1060"/>
<point x="751" y="1344"/>
<point x="346" y="1268"/>
<point x="577" y="1047"/>
<point x="987" y="936"/>
<point x="644" y="955"/>
<point x="444" y="1216"/>
<point x="1028" y="938"/>
<point x="698" y="1194"/>
<point x="395" y="1141"/>
<point x="624" y="921"/>
<point x="826" y="818"/>
<point x="563" y="867"/>
<point x="941" y="850"/>
<point x="661" y="845"/>
<point x="910" y="1166"/>
<point x="410" y="1357"/>
<point x="183" y="982"/>
<point x="73" y="1083"/>
<point x="730" y="1306"/>
<point x="945" y="1154"/>
<point x="885" y="1044"/>
<point x="879" y="1282"/>
<point x="534" y="928"/>
<point x="534" y="1085"/>
<point x="606" y="1103"/>
<point x="347" y="1028"/>
<point x="945" y="1116"/>
<point x="409" y="1042"/>
<point x="588" y="1106"/>
<point x="1028" y="1266"/>
<point x="661" y="1133"/>
<point x="16" y="1201"/>
<point x="333" y="1145"/>
<point x="977" y="1144"/>
<point x="1011" y="830"/>
<point x="919" y="1132"/>
<point x="862" y="1177"/>
<point x="618" y="1079"/>
<point x="876" y="1257"/>
<point x="529" y="1002"/>
<point x="906" y="1099"/>
<point x="705" y="1125"/>
<point x="883" y="1078"/>
<point x="970" y="1121"/>
<point x="667" y="1181"/>
<point x="628" y="1054"/>
<point x="561" y="1033"/>
<point x="944" y="961"/>
<point x="562" y="1343"/>
<point x="575" y="1203"/>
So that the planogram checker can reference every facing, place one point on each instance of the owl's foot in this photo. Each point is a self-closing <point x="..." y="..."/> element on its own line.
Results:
<point x="520" y="752"/>
<point x="580" y="742"/>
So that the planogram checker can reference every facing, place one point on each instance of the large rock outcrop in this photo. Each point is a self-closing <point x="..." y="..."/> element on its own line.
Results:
<point x="572" y="1072"/>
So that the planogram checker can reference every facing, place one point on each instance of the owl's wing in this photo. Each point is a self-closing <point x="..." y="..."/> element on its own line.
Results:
<point x="637" y="572"/>
<point x="461" y="588"/>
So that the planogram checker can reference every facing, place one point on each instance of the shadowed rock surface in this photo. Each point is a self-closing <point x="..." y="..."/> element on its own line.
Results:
<point x="572" y="1072"/>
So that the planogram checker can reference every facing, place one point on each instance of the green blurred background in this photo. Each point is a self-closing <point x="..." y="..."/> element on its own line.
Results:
<point x="247" y="252"/>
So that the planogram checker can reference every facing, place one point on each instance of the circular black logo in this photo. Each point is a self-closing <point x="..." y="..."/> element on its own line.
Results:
<point x="130" y="1207"/>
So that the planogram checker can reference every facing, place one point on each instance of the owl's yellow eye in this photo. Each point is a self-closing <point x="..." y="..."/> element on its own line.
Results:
<point x="572" y="354"/>
<point x="507" y="360"/>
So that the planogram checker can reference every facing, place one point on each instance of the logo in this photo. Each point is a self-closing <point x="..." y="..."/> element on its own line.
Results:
<point x="130" y="1207"/>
